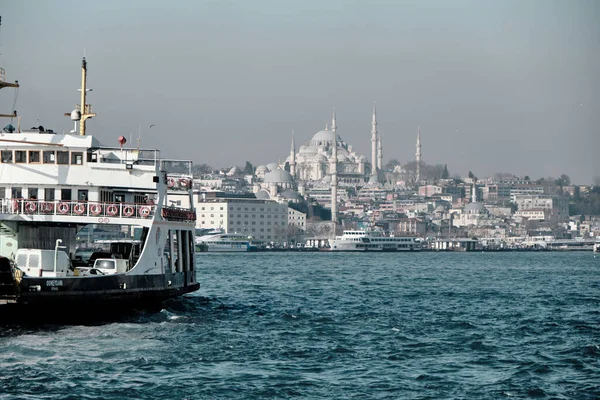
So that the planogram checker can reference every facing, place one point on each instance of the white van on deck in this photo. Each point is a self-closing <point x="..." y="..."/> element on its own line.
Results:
<point x="36" y="262"/>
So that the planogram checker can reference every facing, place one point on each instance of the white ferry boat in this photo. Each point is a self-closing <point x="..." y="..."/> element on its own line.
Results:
<point x="361" y="240"/>
<point x="52" y="185"/>
<point x="225" y="242"/>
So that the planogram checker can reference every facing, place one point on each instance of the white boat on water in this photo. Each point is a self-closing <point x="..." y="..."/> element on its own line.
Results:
<point x="52" y="185"/>
<point x="225" y="242"/>
<point x="361" y="240"/>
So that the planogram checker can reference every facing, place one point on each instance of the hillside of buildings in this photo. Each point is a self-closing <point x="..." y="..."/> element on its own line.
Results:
<point x="499" y="211"/>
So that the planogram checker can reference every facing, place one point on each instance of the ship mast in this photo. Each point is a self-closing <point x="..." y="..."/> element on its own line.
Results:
<point x="4" y="84"/>
<point x="85" y="109"/>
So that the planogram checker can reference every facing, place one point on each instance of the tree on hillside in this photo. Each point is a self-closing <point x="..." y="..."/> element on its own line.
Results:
<point x="199" y="169"/>
<point x="445" y="174"/>
<point x="564" y="180"/>
<point x="248" y="169"/>
<point x="391" y="164"/>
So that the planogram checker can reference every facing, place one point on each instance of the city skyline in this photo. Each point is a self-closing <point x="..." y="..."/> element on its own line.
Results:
<point x="495" y="87"/>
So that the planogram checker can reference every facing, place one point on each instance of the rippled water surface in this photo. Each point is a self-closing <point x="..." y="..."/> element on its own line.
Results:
<point x="324" y="325"/>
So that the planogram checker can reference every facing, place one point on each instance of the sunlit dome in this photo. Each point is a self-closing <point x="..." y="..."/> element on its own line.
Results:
<point x="272" y="166"/>
<point x="279" y="176"/>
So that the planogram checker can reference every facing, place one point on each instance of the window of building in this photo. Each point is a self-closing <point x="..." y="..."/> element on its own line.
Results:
<point x="34" y="156"/>
<point x="221" y="208"/>
<point x="253" y="208"/>
<point x="33" y="193"/>
<point x="7" y="156"/>
<point x="20" y="156"/>
<point x="76" y="158"/>
<point x="62" y="157"/>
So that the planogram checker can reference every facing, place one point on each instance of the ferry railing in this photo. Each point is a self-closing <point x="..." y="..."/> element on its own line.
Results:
<point x="94" y="209"/>
<point x="104" y="211"/>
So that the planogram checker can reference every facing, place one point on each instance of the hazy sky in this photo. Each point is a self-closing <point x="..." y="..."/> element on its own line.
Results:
<point x="496" y="86"/>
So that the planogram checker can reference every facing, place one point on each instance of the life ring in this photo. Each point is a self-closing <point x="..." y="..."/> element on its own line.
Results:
<point x="15" y="205"/>
<point x="170" y="183"/>
<point x="30" y="207"/>
<point x="112" y="210"/>
<point x="79" y="208"/>
<point x="63" y="208"/>
<point x="128" y="211"/>
<point x="144" y="212"/>
<point x="95" y="209"/>
<point x="184" y="182"/>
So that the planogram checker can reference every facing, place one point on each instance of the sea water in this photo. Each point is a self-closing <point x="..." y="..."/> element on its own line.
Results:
<point x="335" y="326"/>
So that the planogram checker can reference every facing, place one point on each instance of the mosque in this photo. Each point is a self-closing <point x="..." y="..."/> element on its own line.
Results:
<point x="325" y="161"/>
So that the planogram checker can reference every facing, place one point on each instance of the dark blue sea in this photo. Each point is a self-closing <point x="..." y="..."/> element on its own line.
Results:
<point x="335" y="326"/>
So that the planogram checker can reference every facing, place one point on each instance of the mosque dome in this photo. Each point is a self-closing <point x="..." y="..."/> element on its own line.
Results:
<point x="362" y="159"/>
<point x="474" y="208"/>
<point x="341" y="157"/>
<point x="261" y="168"/>
<point x="290" y="194"/>
<point x="263" y="195"/>
<point x="279" y="176"/>
<point x="326" y="135"/>
<point x="272" y="166"/>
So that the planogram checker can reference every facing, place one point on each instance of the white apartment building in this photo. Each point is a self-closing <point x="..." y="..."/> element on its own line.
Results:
<point x="262" y="219"/>
<point x="532" y="214"/>
<point x="297" y="219"/>
<point x="529" y="202"/>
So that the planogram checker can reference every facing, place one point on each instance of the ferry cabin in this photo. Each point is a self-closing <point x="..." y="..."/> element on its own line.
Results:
<point x="51" y="185"/>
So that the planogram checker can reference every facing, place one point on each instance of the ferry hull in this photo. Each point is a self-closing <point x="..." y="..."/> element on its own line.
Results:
<point x="83" y="298"/>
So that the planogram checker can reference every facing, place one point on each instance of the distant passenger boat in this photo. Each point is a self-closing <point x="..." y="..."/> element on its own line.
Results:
<point x="361" y="240"/>
<point x="225" y="242"/>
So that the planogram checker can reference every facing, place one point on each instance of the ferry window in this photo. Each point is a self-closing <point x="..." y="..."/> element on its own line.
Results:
<point x="92" y="157"/>
<point x="2" y="192"/>
<point x="82" y="195"/>
<point x="7" y="156"/>
<point x="49" y="157"/>
<point x="119" y="198"/>
<point x="16" y="193"/>
<point x="76" y="158"/>
<point x="34" y="156"/>
<point x="20" y="156"/>
<point x="49" y="194"/>
<point x="62" y="157"/>
<point x="221" y="208"/>
<point x="65" y="194"/>
<point x="33" y="193"/>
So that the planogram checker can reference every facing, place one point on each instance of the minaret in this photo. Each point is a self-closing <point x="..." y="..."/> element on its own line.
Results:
<point x="474" y="193"/>
<point x="293" y="157"/>
<point x="379" y="152"/>
<point x="418" y="154"/>
<point x="374" y="146"/>
<point x="334" y="171"/>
